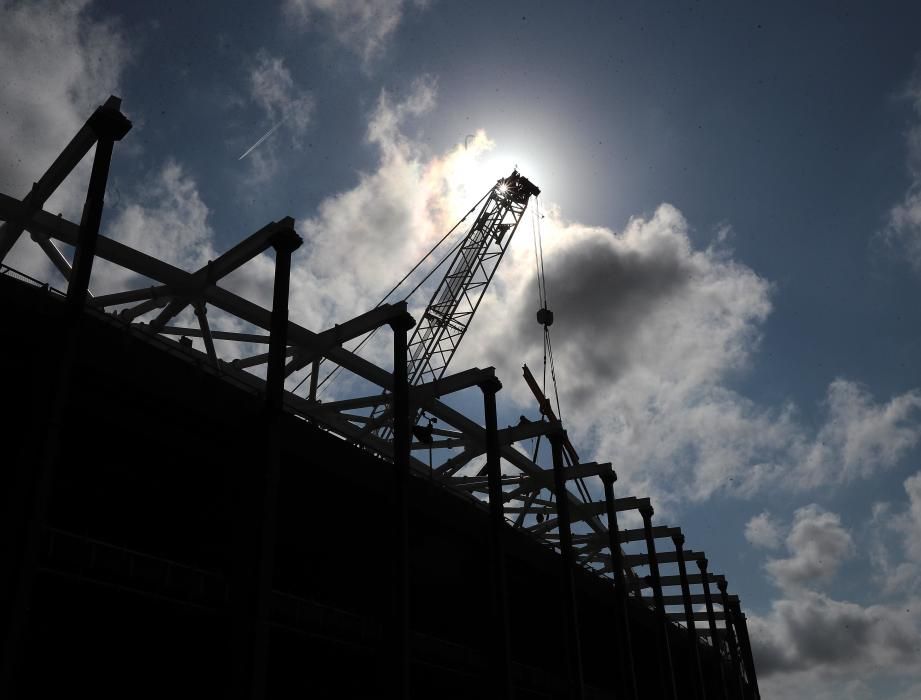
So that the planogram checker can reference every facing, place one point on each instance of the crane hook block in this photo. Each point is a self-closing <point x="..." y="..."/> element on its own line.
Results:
<point x="545" y="317"/>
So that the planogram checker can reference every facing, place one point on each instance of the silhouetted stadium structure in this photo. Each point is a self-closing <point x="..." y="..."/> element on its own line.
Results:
<point x="177" y="526"/>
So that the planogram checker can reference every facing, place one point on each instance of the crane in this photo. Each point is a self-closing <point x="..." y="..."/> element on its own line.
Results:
<point x="447" y="316"/>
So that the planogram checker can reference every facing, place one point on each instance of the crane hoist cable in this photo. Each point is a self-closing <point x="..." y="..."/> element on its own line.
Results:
<point x="545" y="319"/>
<point x="544" y="314"/>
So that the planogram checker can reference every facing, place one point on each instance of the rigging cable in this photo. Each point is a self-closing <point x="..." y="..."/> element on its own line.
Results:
<point x="545" y="318"/>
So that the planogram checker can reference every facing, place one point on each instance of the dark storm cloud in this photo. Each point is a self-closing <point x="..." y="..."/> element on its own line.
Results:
<point x="599" y="291"/>
<point x="816" y="632"/>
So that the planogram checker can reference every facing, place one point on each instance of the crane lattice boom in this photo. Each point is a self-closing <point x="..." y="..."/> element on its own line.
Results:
<point x="459" y="293"/>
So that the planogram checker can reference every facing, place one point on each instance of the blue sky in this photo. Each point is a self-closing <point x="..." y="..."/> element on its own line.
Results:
<point x="732" y="203"/>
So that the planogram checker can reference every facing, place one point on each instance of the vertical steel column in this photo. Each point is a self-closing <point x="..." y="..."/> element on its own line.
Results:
<point x="108" y="125"/>
<point x="711" y="619"/>
<point x="627" y="679"/>
<point x="731" y="638"/>
<point x="285" y="243"/>
<point x="256" y="566"/>
<point x="699" y="685"/>
<point x="667" y="679"/>
<point x="62" y="166"/>
<point x="745" y="643"/>
<point x="314" y="379"/>
<point x="570" y="609"/>
<point x="400" y="633"/>
<point x="500" y="656"/>
<point x="201" y="312"/>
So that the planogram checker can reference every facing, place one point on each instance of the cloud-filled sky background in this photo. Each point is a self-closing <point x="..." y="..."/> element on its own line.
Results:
<point x="731" y="202"/>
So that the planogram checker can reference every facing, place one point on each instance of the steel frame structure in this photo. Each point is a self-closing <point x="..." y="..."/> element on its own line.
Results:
<point x="531" y="499"/>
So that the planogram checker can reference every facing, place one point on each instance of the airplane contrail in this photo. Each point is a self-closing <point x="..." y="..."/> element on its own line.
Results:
<point x="263" y="138"/>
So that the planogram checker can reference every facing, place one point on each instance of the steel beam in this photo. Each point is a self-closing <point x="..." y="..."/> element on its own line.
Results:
<point x="342" y="333"/>
<point x="109" y="125"/>
<point x="56" y="256"/>
<point x="500" y="658"/>
<point x="571" y="640"/>
<point x="731" y="639"/>
<point x="746" y="646"/>
<point x="698" y="616"/>
<point x="661" y="557"/>
<point x="667" y="677"/>
<point x="201" y="313"/>
<point x="217" y="335"/>
<point x="626" y="681"/>
<point x="127" y="297"/>
<point x="694" y="598"/>
<point x="692" y="578"/>
<point x="711" y="618"/>
<point x="285" y="242"/>
<point x="402" y="438"/>
<point x="253" y="585"/>
<point x="62" y="166"/>
<point x="697" y="675"/>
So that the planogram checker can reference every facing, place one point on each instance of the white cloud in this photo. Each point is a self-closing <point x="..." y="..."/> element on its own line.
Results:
<point x="811" y="644"/>
<point x="817" y="686"/>
<point x="165" y="218"/>
<point x="645" y="370"/>
<point x="274" y="90"/>
<point x="361" y="241"/>
<point x="288" y="110"/>
<point x="912" y="692"/>
<point x="763" y="531"/>
<point x="643" y="367"/>
<point x="58" y="64"/>
<point x="911" y="523"/>
<point x="903" y="228"/>
<point x="384" y="128"/>
<point x="897" y="565"/>
<point x="817" y="543"/>
<point x="860" y="436"/>
<point x="364" y="26"/>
